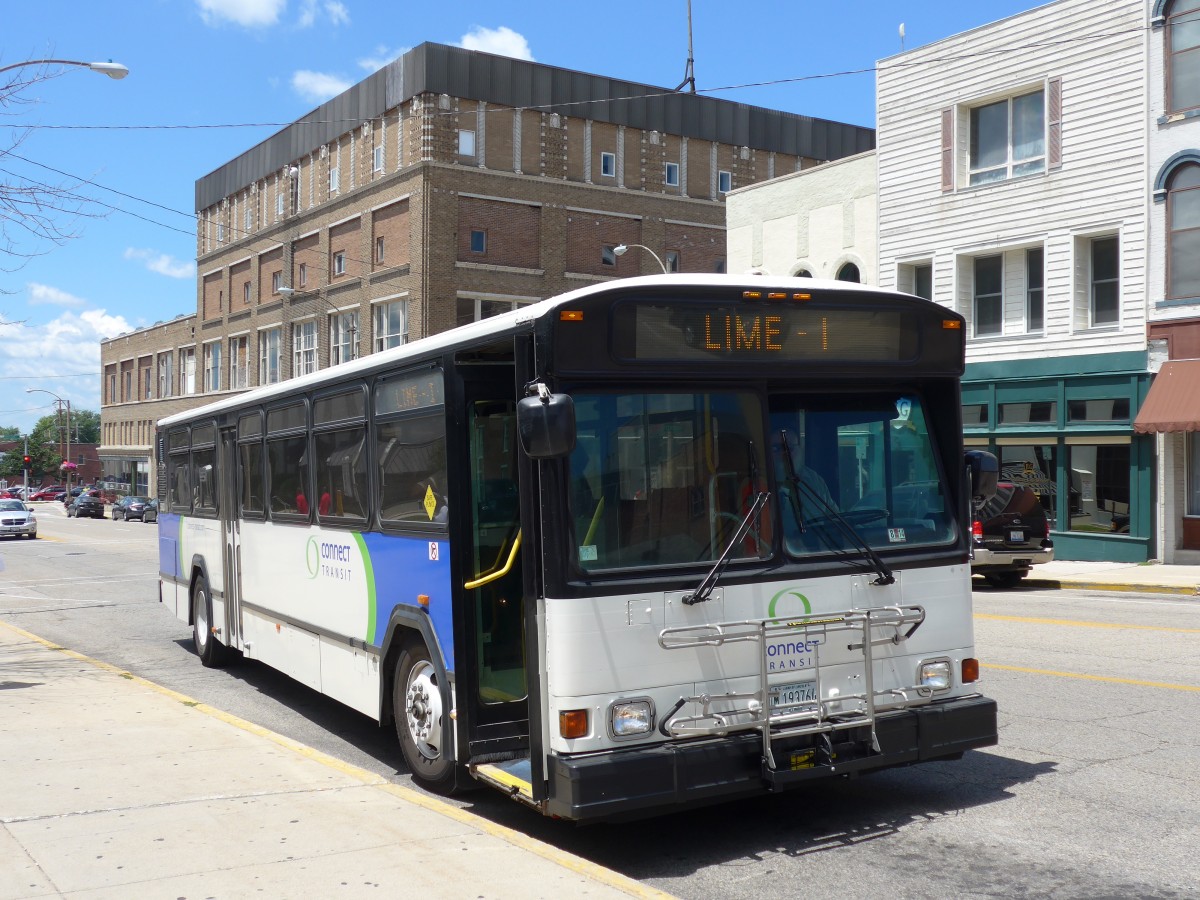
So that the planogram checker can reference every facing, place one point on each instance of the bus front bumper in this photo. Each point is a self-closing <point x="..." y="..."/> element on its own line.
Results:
<point x="670" y="776"/>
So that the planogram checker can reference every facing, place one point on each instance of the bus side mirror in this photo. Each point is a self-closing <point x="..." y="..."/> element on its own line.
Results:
<point x="546" y="424"/>
<point x="984" y="470"/>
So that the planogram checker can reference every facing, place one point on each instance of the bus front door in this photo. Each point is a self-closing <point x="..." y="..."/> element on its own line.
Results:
<point x="493" y="670"/>
<point x="231" y="555"/>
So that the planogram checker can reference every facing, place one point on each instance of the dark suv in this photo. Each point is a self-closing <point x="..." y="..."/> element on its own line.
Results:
<point x="1011" y="534"/>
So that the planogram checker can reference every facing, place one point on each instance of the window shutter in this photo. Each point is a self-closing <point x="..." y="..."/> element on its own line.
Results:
<point x="947" y="150"/>
<point x="1054" y="124"/>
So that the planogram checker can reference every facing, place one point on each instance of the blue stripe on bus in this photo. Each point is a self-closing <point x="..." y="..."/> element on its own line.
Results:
<point x="404" y="568"/>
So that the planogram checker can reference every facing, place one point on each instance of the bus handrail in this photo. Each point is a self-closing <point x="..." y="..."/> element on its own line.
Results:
<point x="495" y="574"/>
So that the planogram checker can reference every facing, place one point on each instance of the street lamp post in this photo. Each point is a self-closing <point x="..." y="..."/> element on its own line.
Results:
<point x="622" y="249"/>
<point x="61" y="402"/>
<point x="111" y="69"/>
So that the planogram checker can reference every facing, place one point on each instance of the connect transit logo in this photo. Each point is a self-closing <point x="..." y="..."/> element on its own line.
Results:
<point x="784" y="595"/>
<point x="312" y="557"/>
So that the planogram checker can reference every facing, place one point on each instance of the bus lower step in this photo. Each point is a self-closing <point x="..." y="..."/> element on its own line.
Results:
<point x="512" y="777"/>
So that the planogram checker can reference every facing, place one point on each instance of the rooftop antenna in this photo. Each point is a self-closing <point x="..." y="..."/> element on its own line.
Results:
<point x="689" y="73"/>
<point x="901" y="37"/>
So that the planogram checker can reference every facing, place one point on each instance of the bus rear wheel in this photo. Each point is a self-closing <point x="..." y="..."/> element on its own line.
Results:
<point x="212" y="652"/>
<point x="419" y="710"/>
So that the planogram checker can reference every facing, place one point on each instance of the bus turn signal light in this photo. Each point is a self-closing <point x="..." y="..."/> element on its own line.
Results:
<point x="970" y="670"/>
<point x="951" y="324"/>
<point x="570" y="315"/>
<point x="573" y="723"/>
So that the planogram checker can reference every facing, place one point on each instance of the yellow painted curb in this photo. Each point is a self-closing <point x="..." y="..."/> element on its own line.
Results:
<point x="549" y="852"/>
<point x="1122" y="587"/>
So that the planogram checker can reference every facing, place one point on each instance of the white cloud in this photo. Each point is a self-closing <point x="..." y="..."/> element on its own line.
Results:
<point x="250" y="13"/>
<point x="66" y="346"/>
<point x="162" y="263"/>
<point x="380" y="58"/>
<point x="335" y="11"/>
<point x="502" y="41"/>
<point x="317" y="87"/>
<point x="40" y="294"/>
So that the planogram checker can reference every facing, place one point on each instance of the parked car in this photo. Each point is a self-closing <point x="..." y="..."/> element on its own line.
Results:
<point x="47" y="493"/>
<point x="130" y="508"/>
<point x="17" y="519"/>
<point x="89" y="503"/>
<point x="1011" y="534"/>
<point x="150" y="514"/>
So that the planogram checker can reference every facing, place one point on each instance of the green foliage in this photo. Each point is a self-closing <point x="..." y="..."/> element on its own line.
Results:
<point x="10" y="433"/>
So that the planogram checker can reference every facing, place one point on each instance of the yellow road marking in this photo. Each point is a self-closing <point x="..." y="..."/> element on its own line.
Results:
<point x="1112" y="680"/>
<point x="549" y="852"/>
<point x="1031" y="620"/>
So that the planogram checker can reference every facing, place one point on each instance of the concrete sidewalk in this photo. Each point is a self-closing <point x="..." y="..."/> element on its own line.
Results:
<point x="1154" y="578"/>
<point x="111" y="786"/>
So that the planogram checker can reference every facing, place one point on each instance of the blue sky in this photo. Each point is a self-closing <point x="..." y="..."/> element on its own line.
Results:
<point x="209" y="77"/>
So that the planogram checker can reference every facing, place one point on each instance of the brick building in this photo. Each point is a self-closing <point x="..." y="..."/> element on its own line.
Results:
<point x="449" y="186"/>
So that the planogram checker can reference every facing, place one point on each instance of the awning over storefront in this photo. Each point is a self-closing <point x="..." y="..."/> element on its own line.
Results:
<point x="1173" y="403"/>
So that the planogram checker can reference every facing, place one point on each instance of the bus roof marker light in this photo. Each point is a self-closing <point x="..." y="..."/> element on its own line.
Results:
<point x="423" y="601"/>
<point x="570" y="315"/>
<point x="751" y="295"/>
<point x="777" y="295"/>
<point x="801" y="296"/>
<point x="952" y="324"/>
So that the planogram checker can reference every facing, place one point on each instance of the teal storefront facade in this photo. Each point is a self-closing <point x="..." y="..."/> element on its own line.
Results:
<point x="1063" y="426"/>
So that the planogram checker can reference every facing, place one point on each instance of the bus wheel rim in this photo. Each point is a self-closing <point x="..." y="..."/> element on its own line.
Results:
<point x="423" y="710"/>
<point x="201" y="618"/>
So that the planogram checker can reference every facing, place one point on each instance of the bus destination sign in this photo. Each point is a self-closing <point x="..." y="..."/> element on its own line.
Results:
<point x="761" y="332"/>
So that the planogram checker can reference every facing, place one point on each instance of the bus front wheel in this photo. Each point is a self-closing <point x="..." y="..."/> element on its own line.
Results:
<point x="212" y="652"/>
<point x="419" y="709"/>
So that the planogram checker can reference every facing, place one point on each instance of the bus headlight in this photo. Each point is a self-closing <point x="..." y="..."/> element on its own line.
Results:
<point x="629" y="718"/>
<point x="935" y="674"/>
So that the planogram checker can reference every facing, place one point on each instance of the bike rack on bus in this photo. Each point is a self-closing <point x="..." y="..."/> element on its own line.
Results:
<point x="723" y="714"/>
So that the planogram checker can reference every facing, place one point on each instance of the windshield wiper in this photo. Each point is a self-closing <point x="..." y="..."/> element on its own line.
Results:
<point x="848" y="529"/>
<point x="705" y="589"/>
<point x="830" y="512"/>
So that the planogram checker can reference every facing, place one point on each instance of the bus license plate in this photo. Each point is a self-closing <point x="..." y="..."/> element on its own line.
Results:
<point x="1016" y="537"/>
<point x="794" y="694"/>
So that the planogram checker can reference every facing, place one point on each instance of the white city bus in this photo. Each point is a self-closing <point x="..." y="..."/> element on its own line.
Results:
<point x="652" y="543"/>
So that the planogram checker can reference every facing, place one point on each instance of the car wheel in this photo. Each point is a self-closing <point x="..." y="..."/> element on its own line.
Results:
<point x="213" y="654"/>
<point x="1004" y="579"/>
<point x="417" y="703"/>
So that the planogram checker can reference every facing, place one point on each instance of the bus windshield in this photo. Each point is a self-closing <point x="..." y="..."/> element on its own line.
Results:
<point x="856" y="468"/>
<point x="666" y="478"/>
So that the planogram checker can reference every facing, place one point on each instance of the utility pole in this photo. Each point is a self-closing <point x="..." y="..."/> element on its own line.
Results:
<point x="25" y="469"/>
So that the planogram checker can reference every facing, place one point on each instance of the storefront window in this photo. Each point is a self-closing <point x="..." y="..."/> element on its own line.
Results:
<point x="1037" y="412"/>
<point x="1110" y="410"/>
<point x="1035" y="467"/>
<point x="1099" y="478"/>
<point x="1193" y="471"/>
<point x="975" y="414"/>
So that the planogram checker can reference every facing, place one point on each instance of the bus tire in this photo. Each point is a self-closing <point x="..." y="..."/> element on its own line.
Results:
<point x="417" y="703"/>
<point x="213" y="654"/>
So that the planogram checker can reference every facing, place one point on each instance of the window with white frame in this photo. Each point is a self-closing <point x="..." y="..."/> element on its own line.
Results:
<point x="279" y="205"/>
<point x="212" y="367"/>
<point x="304" y="348"/>
<point x="165" y="371"/>
<point x="476" y="309"/>
<point x="915" y="278"/>
<point x="1035" y="281"/>
<point x="220" y="232"/>
<point x="988" y="306"/>
<point x="608" y="165"/>
<point x="187" y="370"/>
<point x="334" y="179"/>
<point x="302" y="274"/>
<point x="112" y="388"/>
<point x="1008" y="138"/>
<point x="268" y="356"/>
<point x="1183" y="55"/>
<point x="1104" y="283"/>
<point x="390" y="325"/>
<point x="276" y="282"/>
<point x="466" y="142"/>
<point x="724" y="182"/>
<point x="378" y="160"/>
<point x="671" y="174"/>
<point x="343" y="337"/>
<point x="339" y="263"/>
<point x="247" y="219"/>
<point x="239" y="362"/>
<point x="246" y="292"/>
<point x="671" y="261"/>
<point x="379" y="247"/>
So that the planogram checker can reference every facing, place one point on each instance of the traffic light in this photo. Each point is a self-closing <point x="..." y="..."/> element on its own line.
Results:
<point x="27" y="462"/>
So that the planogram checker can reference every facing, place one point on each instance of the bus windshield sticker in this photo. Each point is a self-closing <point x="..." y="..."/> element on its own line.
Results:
<point x="896" y="536"/>
<point x="588" y="553"/>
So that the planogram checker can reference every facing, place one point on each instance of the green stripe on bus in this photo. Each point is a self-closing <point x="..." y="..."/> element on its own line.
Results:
<point x="370" y="575"/>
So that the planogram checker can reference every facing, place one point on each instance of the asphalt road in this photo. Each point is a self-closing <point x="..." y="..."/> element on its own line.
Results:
<point x="1094" y="790"/>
